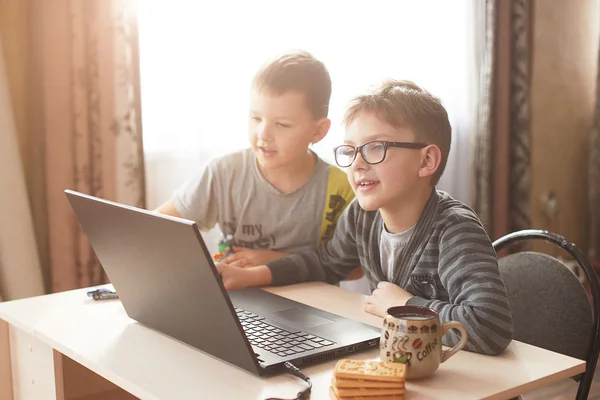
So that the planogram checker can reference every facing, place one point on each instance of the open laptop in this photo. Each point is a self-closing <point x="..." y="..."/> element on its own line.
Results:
<point x="166" y="280"/>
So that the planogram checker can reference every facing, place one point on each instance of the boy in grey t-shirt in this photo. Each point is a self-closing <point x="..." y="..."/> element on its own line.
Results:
<point x="277" y="197"/>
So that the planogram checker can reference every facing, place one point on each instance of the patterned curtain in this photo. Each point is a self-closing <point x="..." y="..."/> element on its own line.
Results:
<point x="520" y="150"/>
<point x="91" y="121"/>
<point x="594" y="182"/>
<point x="20" y="272"/>
<point x="484" y="133"/>
<point x="502" y="146"/>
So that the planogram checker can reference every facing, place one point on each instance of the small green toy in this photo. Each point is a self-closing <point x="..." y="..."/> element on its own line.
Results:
<point x="225" y="248"/>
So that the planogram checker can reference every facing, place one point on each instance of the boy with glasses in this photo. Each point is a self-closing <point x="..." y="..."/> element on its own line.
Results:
<point x="278" y="196"/>
<point x="418" y="246"/>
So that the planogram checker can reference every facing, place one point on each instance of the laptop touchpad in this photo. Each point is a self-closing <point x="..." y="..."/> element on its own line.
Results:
<point x="300" y="319"/>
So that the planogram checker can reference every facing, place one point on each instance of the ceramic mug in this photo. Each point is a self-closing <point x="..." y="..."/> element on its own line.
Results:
<point x="413" y="336"/>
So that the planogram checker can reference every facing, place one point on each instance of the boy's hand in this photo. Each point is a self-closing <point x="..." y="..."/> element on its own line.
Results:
<point x="235" y="278"/>
<point x="244" y="257"/>
<point x="385" y="296"/>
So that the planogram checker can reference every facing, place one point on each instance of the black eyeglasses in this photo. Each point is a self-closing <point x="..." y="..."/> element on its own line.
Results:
<point x="372" y="152"/>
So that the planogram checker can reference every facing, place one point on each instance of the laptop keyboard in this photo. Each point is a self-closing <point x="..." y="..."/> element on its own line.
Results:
<point x="276" y="340"/>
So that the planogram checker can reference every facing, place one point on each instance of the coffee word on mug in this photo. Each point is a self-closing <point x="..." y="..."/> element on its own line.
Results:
<point x="422" y="354"/>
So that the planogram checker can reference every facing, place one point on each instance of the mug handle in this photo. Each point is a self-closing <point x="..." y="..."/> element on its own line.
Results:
<point x="446" y="326"/>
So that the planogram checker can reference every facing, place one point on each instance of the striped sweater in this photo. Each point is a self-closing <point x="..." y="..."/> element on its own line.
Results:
<point x="449" y="265"/>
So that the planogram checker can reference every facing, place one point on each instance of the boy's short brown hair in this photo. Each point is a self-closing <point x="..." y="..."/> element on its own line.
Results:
<point x="298" y="71"/>
<point x="404" y="104"/>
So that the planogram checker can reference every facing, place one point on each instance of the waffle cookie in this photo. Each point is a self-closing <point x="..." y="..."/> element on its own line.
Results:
<point x="345" y="383"/>
<point x="370" y="370"/>
<point x="333" y="395"/>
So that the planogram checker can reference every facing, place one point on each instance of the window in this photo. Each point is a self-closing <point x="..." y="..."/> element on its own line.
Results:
<point x="198" y="59"/>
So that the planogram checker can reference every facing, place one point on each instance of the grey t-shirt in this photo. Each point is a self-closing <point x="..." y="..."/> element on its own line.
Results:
<point x="390" y="247"/>
<point x="232" y="193"/>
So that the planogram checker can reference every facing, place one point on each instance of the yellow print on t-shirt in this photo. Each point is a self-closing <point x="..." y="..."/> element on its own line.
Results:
<point x="338" y="197"/>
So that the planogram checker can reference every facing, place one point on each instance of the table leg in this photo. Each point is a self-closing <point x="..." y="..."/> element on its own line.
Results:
<point x="30" y="369"/>
<point x="81" y="383"/>
<point x="33" y="366"/>
<point x="6" y="391"/>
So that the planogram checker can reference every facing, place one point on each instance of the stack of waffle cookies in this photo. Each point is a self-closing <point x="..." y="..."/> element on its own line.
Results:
<point x="368" y="380"/>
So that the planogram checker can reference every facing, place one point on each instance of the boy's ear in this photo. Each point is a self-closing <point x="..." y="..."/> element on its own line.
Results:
<point x="323" y="126"/>
<point x="430" y="160"/>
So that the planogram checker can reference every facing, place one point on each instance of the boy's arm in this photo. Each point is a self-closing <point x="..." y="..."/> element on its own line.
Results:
<point x="196" y="200"/>
<point x="468" y="269"/>
<point x="168" y="208"/>
<point x="244" y="257"/>
<point x="235" y="278"/>
<point x="330" y="262"/>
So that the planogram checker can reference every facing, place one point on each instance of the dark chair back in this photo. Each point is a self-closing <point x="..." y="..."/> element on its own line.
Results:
<point x="550" y="306"/>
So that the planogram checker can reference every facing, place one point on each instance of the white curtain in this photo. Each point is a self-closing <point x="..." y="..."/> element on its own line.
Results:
<point x="20" y="272"/>
<point x="198" y="58"/>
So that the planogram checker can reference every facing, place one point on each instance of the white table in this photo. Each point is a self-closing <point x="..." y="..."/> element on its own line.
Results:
<point x="67" y="346"/>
